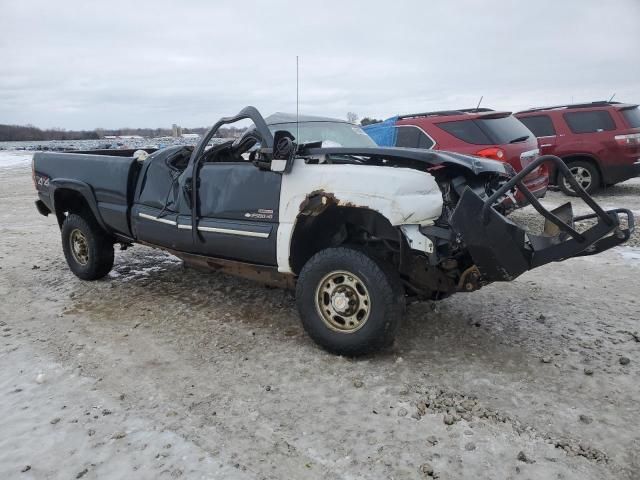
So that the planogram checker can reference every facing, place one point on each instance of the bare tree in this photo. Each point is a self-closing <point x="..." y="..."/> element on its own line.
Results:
<point x="369" y="121"/>
<point x="352" y="117"/>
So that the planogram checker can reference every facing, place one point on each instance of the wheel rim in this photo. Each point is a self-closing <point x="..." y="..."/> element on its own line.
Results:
<point x="343" y="301"/>
<point x="582" y="176"/>
<point x="79" y="247"/>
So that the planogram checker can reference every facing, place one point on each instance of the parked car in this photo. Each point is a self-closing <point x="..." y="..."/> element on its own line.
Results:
<point x="353" y="227"/>
<point x="474" y="131"/>
<point x="599" y="141"/>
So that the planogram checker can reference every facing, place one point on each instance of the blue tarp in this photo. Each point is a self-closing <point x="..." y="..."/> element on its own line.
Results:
<point x="383" y="133"/>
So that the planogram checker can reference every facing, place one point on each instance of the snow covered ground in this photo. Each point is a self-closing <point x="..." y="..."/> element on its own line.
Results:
<point x="12" y="159"/>
<point x="158" y="371"/>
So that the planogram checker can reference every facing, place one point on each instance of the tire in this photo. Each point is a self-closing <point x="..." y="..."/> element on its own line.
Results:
<point x="587" y="175"/>
<point x="369" y="290"/>
<point x="88" y="250"/>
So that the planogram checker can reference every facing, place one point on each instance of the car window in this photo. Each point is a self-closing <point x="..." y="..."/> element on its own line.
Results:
<point x="540" y="125"/>
<point x="589" y="121"/>
<point x="412" y="137"/>
<point x="506" y="129"/>
<point x="467" y="131"/>
<point x="334" y="134"/>
<point x="632" y="116"/>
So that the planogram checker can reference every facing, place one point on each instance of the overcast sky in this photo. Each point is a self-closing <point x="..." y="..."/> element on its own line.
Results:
<point x="83" y="64"/>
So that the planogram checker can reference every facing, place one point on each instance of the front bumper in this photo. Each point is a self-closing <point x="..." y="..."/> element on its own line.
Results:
<point x="502" y="250"/>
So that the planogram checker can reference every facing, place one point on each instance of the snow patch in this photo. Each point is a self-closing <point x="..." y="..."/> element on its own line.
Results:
<point x="631" y="255"/>
<point x="11" y="159"/>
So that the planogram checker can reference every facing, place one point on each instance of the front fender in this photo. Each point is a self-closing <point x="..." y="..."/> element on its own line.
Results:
<point x="403" y="196"/>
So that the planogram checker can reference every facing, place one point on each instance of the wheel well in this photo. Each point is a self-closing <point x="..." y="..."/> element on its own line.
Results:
<point x="68" y="201"/>
<point x="582" y="158"/>
<point x="336" y="225"/>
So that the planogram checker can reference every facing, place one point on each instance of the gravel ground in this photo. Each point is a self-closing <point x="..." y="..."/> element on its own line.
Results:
<point x="162" y="372"/>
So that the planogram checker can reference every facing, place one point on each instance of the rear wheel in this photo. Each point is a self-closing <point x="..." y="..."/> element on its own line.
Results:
<point x="349" y="303"/>
<point x="585" y="173"/>
<point x="87" y="249"/>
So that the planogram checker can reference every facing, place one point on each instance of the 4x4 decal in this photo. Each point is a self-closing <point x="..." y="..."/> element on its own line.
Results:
<point x="41" y="181"/>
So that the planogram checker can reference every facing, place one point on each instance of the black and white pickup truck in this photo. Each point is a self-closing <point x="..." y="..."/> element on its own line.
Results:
<point x="315" y="205"/>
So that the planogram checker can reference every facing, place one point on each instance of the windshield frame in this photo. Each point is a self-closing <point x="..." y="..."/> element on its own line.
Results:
<point x="344" y="127"/>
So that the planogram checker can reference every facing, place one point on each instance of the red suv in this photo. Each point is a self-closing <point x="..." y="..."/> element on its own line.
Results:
<point x="599" y="141"/>
<point x="478" y="131"/>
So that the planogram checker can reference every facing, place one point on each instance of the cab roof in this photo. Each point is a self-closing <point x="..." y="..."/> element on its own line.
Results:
<point x="281" y="117"/>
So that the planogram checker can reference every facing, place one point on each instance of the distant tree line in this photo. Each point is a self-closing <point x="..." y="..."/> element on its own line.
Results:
<point x="143" y="132"/>
<point x="17" y="133"/>
<point x="29" y="132"/>
<point x="230" y="132"/>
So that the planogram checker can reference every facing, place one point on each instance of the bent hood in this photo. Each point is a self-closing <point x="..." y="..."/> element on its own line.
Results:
<point x="407" y="155"/>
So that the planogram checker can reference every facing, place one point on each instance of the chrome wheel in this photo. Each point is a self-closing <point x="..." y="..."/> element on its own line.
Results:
<point x="343" y="301"/>
<point x="582" y="176"/>
<point x="79" y="247"/>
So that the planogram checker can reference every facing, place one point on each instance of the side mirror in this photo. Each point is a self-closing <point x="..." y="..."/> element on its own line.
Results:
<point x="284" y="150"/>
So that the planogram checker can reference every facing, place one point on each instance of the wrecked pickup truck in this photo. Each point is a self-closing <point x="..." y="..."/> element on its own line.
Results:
<point x="314" y="205"/>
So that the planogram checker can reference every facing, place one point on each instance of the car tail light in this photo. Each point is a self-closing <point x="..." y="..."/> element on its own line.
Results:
<point x="33" y="172"/>
<point x="631" y="139"/>
<point x="493" y="152"/>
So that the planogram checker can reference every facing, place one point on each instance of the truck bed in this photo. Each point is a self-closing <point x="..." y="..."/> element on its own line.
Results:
<point x="110" y="179"/>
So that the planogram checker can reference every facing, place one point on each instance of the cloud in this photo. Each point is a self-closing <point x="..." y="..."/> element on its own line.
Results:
<point x="78" y="64"/>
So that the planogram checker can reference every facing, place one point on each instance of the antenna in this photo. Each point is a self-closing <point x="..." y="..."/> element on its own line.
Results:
<point x="614" y="94"/>
<point x="479" y="102"/>
<point x="297" y="101"/>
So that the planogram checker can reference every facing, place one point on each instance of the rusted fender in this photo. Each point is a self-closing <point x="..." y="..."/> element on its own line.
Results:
<point x="404" y="196"/>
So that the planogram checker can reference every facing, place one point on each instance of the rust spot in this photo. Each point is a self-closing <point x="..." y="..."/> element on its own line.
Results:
<point x="318" y="201"/>
<point x="470" y="279"/>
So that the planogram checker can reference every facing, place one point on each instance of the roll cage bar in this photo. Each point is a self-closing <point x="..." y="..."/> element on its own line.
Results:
<point x="250" y="113"/>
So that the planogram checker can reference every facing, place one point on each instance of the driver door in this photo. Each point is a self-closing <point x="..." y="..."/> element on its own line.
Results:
<point x="238" y="212"/>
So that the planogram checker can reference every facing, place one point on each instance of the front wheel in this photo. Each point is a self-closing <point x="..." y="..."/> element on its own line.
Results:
<point x="88" y="250"/>
<point x="350" y="303"/>
<point x="585" y="173"/>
